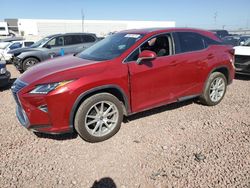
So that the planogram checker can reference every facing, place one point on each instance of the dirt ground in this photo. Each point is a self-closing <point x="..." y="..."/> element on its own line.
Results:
<point x="179" y="145"/>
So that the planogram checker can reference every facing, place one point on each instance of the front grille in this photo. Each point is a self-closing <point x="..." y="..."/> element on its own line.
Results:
<point x="21" y="115"/>
<point x="241" y="59"/>
<point x="16" y="87"/>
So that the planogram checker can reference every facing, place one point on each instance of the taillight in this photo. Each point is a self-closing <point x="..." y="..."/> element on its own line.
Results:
<point x="232" y="59"/>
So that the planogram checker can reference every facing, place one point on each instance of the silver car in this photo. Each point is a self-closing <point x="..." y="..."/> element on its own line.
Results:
<point x="51" y="47"/>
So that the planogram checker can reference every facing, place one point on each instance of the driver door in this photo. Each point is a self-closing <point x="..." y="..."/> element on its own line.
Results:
<point x="54" y="47"/>
<point x="151" y="82"/>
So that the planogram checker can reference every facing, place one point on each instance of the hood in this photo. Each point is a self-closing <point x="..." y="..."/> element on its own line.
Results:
<point x="52" y="70"/>
<point x="242" y="50"/>
<point x="21" y="50"/>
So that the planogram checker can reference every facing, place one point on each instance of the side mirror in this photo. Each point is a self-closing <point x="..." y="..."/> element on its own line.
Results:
<point x="146" y="55"/>
<point x="47" y="46"/>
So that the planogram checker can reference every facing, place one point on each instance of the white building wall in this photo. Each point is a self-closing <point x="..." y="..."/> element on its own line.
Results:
<point x="100" y="27"/>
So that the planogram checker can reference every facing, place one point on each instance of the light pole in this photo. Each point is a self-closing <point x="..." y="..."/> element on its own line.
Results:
<point x="82" y="20"/>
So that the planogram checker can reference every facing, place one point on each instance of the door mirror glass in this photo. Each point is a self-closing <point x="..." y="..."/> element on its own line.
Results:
<point x="146" y="55"/>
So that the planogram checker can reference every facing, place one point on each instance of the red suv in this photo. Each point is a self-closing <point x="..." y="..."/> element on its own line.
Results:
<point x="128" y="72"/>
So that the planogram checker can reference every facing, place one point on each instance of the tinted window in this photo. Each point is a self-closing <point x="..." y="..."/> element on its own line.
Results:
<point x="15" y="45"/>
<point x="88" y="38"/>
<point x="2" y="28"/>
<point x="189" y="42"/>
<point x="72" y="39"/>
<point x="28" y="43"/>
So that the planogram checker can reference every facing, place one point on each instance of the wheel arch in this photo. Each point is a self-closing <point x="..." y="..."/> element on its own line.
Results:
<point x="112" y="89"/>
<point x="35" y="57"/>
<point x="222" y="69"/>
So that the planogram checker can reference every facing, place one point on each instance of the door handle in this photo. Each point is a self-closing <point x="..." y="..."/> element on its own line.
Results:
<point x="210" y="56"/>
<point x="174" y="63"/>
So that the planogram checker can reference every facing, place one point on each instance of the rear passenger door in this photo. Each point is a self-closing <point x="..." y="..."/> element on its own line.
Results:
<point x="72" y="43"/>
<point x="191" y="61"/>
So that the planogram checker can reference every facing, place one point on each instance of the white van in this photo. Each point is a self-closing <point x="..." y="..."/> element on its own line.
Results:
<point x="4" y="29"/>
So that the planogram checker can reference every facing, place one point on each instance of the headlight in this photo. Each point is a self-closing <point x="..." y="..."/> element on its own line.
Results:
<point x="46" y="88"/>
<point x="3" y="70"/>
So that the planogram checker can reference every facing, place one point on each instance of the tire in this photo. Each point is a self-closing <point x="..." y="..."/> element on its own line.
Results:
<point x="213" y="94"/>
<point x="29" y="62"/>
<point x="94" y="126"/>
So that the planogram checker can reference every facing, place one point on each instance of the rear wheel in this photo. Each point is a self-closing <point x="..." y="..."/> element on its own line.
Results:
<point x="215" y="89"/>
<point x="99" y="117"/>
<point x="29" y="62"/>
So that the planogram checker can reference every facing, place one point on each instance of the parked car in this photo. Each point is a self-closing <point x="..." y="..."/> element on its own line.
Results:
<point x="220" y="33"/>
<point x="10" y="39"/>
<point x="235" y="40"/>
<point x="4" y="74"/>
<point x="125" y="73"/>
<point x="5" y="47"/>
<point x="50" y="47"/>
<point x="242" y="58"/>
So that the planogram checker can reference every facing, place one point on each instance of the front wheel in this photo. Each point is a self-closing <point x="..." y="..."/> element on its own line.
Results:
<point x="99" y="117"/>
<point x="29" y="62"/>
<point x="215" y="89"/>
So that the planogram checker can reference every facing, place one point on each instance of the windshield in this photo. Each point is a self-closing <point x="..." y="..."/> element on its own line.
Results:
<point x="40" y="42"/>
<point x="110" y="47"/>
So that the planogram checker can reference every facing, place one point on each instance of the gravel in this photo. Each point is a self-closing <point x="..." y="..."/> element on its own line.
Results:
<point x="180" y="145"/>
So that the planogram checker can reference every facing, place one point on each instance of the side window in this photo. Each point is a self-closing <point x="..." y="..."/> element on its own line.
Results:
<point x="88" y="38"/>
<point x="133" y="56"/>
<point x="161" y="45"/>
<point x="27" y="44"/>
<point x="15" y="45"/>
<point x="72" y="39"/>
<point x="55" y="42"/>
<point x="189" y="42"/>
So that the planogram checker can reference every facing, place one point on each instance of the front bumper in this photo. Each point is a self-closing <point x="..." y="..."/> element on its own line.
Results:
<point x="17" y="62"/>
<point x="34" y="118"/>
<point x="4" y="79"/>
<point x="242" y="64"/>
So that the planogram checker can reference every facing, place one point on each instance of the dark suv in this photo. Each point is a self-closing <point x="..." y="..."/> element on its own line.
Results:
<point x="50" y="47"/>
<point x="125" y="73"/>
<point x="4" y="74"/>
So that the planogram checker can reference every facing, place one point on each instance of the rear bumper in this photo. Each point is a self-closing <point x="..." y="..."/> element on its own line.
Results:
<point x="4" y="79"/>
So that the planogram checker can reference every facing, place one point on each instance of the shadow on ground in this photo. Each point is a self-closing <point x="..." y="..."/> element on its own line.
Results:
<point x="7" y="87"/>
<point x="159" y="110"/>
<point x="106" y="182"/>
<point x="242" y="77"/>
<point x="65" y="136"/>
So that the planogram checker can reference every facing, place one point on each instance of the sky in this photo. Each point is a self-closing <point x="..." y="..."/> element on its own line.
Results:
<point x="210" y="14"/>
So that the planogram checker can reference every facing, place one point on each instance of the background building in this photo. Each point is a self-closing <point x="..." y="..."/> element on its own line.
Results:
<point x="43" y="27"/>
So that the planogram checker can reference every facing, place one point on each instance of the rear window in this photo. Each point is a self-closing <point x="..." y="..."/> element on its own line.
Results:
<point x="88" y="38"/>
<point x="190" y="41"/>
